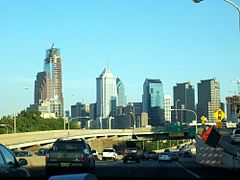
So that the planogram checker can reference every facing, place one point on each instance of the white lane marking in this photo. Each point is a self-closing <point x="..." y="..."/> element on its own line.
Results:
<point x="129" y="171"/>
<point x="192" y="173"/>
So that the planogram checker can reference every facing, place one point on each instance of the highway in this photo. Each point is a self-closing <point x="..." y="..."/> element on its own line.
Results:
<point x="184" y="168"/>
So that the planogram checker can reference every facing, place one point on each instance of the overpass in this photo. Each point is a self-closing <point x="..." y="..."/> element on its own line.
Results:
<point x="229" y="156"/>
<point x="28" y="139"/>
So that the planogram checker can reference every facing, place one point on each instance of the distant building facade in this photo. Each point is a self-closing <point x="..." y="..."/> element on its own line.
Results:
<point x="121" y="98"/>
<point x="153" y="101"/>
<point x="129" y="116"/>
<point x="48" y="86"/>
<point x="208" y="98"/>
<point x="106" y="93"/>
<point x="232" y="103"/>
<point x="184" y="98"/>
<point x="167" y="108"/>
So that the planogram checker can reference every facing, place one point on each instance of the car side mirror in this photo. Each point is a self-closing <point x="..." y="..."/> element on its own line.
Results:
<point x="22" y="162"/>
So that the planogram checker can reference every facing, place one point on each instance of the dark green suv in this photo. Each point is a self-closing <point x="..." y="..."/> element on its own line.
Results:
<point x="132" y="154"/>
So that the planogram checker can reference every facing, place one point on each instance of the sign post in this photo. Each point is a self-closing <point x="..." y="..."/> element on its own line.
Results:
<point x="219" y="116"/>
<point x="203" y="120"/>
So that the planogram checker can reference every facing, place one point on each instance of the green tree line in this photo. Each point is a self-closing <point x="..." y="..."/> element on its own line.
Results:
<point x="31" y="120"/>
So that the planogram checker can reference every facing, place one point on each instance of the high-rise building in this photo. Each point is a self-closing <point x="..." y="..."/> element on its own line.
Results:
<point x="40" y="92"/>
<point x="106" y="93"/>
<point x="232" y="103"/>
<point x="184" y="98"/>
<point x="208" y="98"/>
<point x="121" y="98"/>
<point x="167" y="108"/>
<point x="152" y="101"/>
<point x="128" y="116"/>
<point x="48" y="84"/>
<point x="80" y="110"/>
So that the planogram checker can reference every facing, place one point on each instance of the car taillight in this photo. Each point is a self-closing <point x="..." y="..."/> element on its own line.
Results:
<point x="47" y="156"/>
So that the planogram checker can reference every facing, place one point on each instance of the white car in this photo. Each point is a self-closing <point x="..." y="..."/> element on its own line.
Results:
<point x="165" y="156"/>
<point x="235" y="137"/>
<point x="109" y="153"/>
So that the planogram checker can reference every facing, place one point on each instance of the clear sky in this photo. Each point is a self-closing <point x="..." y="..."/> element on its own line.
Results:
<point x="173" y="40"/>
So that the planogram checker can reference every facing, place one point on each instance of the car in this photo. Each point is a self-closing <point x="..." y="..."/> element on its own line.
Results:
<point x="235" y="137"/>
<point x="42" y="151"/>
<point x="166" y="150"/>
<point x="174" y="157"/>
<point x="10" y="166"/>
<point x="69" y="155"/>
<point x="109" y="153"/>
<point x="23" y="154"/>
<point x="187" y="154"/>
<point x="132" y="154"/>
<point x="165" y="156"/>
<point x="151" y="155"/>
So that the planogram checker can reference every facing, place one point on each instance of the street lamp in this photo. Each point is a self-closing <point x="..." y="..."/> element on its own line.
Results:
<point x="231" y="3"/>
<point x="6" y="126"/>
<point x="188" y="111"/>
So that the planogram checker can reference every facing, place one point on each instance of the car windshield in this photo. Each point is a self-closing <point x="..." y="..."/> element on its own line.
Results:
<point x="164" y="154"/>
<point x="237" y="131"/>
<point x="133" y="79"/>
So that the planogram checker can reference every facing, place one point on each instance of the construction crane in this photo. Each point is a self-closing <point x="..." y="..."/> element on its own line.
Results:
<point x="238" y="84"/>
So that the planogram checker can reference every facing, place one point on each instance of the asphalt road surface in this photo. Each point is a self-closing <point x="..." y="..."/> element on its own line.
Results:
<point x="184" y="168"/>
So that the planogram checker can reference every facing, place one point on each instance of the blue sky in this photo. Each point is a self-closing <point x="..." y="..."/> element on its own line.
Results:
<point x="173" y="40"/>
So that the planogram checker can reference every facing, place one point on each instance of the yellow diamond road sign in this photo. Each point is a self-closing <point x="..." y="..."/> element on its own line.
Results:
<point x="219" y="114"/>
<point x="203" y="119"/>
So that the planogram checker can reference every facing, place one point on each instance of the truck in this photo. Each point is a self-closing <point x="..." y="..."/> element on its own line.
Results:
<point x="109" y="153"/>
<point x="69" y="155"/>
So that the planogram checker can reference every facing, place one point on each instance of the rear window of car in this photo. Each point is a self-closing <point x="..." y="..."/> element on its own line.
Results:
<point x="108" y="150"/>
<point x="237" y="131"/>
<point x="151" y="152"/>
<point x="68" y="146"/>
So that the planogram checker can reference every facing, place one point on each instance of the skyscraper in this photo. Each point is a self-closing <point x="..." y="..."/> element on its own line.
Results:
<point x="184" y="98"/>
<point x="121" y="98"/>
<point x="167" y="108"/>
<point x="232" y="103"/>
<point x="152" y="100"/>
<point x="48" y="84"/>
<point x="208" y="98"/>
<point x="106" y="93"/>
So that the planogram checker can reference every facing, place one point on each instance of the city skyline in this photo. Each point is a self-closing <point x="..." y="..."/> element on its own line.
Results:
<point x="173" y="41"/>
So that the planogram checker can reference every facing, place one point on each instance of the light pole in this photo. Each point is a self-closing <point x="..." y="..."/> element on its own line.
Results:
<point x="188" y="111"/>
<point x="231" y="3"/>
<point x="6" y="126"/>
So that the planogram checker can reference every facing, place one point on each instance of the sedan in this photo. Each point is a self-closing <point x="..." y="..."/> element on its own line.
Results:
<point x="174" y="157"/>
<point x="164" y="157"/>
<point x="151" y="155"/>
<point x="9" y="166"/>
